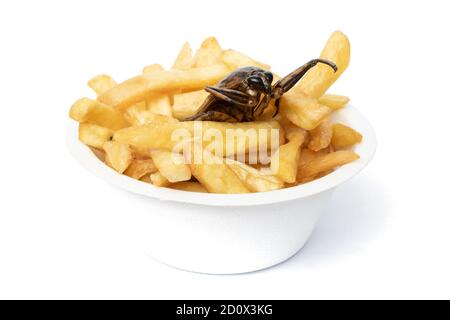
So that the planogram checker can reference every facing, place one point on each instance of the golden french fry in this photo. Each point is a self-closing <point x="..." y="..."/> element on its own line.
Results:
<point x="138" y="118"/>
<point x="101" y="83"/>
<point x="284" y="162"/>
<point x="157" y="179"/>
<point x="235" y="60"/>
<point x="91" y="111"/>
<point x="215" y="175"/>
<point x="208" y="54"/>
<point x="307" y="155"/>
<point x="189" y="186"/>
<point x="184" y="59"/>
<point x="146" y="178"/>
<point x="152" y="68"/>
<point x="325" y="163"/>
<point x="255" y="180"/>
<point x="118" y="155"/>
<point x="187" y="104"/>
<point x="160" y="104"/>
<point x="139" y="88"/>
<point x="293" y="132"/>
<point x="320" y="136"/>
<point x="334" y="101"/>
<point x="317" y="81"/>
<point x="139" y="168"/>
<point x="344" y="136"/>
<point x="94" y="135"/>
<point x="171" y="165"/>
<point x="169" y="136"/>
<point x="303" y="111"/>
<point x="99" y="153"/>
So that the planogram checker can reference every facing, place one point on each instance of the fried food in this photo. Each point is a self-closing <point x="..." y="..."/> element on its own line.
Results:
<point x="344" y="136"/>
<point x="137" y="127"/>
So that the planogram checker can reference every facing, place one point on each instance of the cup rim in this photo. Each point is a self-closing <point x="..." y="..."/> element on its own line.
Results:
<point x="348" y="115"/>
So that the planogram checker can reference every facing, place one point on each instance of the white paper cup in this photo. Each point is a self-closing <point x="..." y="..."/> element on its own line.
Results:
<point x="226" y="234"/>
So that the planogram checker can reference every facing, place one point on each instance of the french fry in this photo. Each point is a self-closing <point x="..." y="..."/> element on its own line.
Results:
<point x="186" y="104"/>
<point x="139" y="168"/>
<point x="208" y="54"/>
<point x="101" y="83"/>
<point x="160" y="104"/>
<point x="334" y="101"/>
<point x="327" y="162"/>
<point x="189" y="186"/>
<point x="91" y="111"/>
<point x="320" y="136"/>
<point x="344" y="136"/>
<point x="216" y="176"/>
<point x="159" y="135"/>
<point x="317" y="81"/>
<point x="307" y="155"/>
<point x="184" y="59"/>
<point x="99" y="153"/>
<point x="303" y="111"/>
<point x="94" y="135"/>
<point x="118" y="155"/>
<point x="284" y="162"/>
<point x="139" y="88"/>
<point x="235" y="60"/>
<point x="255" y="180"/>
<point x="138" y="118"/>
<point x="171" y="165"/>
<point x="157" y="179"/>
<point x="152" y="68"/>
<point x="146" y="178"/>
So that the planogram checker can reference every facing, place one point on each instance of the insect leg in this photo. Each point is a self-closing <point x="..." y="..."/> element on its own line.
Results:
<point x="291" y="79"/>
<point x="262" y="105"/>
<point x="213" y="116"/>
<point x="232" y="96"/>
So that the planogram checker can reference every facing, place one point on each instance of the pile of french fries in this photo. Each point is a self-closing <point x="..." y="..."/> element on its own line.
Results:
<point x="129" y="125"/>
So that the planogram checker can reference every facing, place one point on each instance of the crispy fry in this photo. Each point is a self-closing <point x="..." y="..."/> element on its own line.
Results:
<point x="320" y="137"/>
<point x="208" y="54"/>
<point x="94" y="135"/>
<point x="216" y="176"/>
<point x="152" y="68"/>
<point x="184" y="59"/>
<point x="139" y="168"/>
<point x="325" y="163"/>
<point x="90" y="111"/>
<point x="187" y="104"/>
<point x="159" y="136"/>
<point x="344" y="136"/>
<point x="317" y="81"/>
<point x="189" y="186"/>
<point x="138" y="118"/>
<point x="303" y="111"/>
<point x="101" y="83"/>
<point x="160" y="104"/>
<point x="99" y="153"/>
<point x="171" y="165"/>
<point x="118" y="155"/>
<point x="307" y="155"/>
<point x="284" y="162"/>
<point x="139" y="88"/>
<point x="157" y="179"/>
<point x="255" y="180"/>
<point x="334" y="101"/>
<point x="235" y="60"/>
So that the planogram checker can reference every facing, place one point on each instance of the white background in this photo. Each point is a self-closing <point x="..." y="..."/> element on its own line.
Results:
<point x="66" y="234"/>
